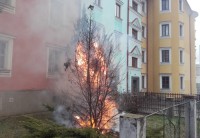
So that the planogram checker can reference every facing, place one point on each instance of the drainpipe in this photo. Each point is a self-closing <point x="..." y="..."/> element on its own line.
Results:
<point x="190" y="54"/>
<point x="147" y="39"/>
<point x="127" y="77"/>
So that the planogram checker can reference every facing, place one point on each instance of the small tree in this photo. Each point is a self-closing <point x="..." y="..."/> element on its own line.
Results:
<point x="94" y="76"/>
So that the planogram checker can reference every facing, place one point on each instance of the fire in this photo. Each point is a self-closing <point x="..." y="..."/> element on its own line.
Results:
<point x="98" y="68"/>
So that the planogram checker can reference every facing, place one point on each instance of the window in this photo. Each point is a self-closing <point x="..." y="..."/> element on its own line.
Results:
<point x="165" y="55"/>
<point x="165" y="5"/>
<point x="143" y="7"/>
<point x="143" y="56"/>
<point x="135" y="5"/>
<point x="181" y="30"/>
<point x="180" y="5"/>
<point x="134" y="62"/>
<point x="143" y="81"/>
<point x="6" y="2"/>
<point x="118" y="10"/>
<point x="57" y="12"/>
<point x="165" y="29"/>
<point x="98" y="3"/>
<point x="181" y="82"/>
<point x="55" y="60"/>
<point x="135" y="33"/>
<point x="8" y="5"/>
<point x="181" y="56"/>
<point x="143" y="32"/>
<point x="165" y="81"/>
<point x="5" y="56"/>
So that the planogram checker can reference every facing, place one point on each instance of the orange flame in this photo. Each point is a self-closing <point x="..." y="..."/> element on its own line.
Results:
<point x="109" y="105"/>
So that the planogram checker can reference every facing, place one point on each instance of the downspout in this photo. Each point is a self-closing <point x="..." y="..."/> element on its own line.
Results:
<point x="190" y="55"/>
<point x="127" y="46"/>
<point x="147" y="39"/>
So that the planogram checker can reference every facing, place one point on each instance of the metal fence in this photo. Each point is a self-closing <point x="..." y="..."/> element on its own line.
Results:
<point x="149" y="102"/>
<point x="167" y="123"/>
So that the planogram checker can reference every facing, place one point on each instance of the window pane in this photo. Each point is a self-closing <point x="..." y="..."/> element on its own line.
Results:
<point x="165" y="56"/>
<point x="134" y="62"/>
<point x="143" y="31"/>
<point x="2" y="54"/>
<point x="165" y="82"/>
<point x="143" y="56"/>
<point x="135" y="5"/>
<point x="181" y="56"/>
<point x="134" y="33"/>
<point x="143" y="6"/>
<point x="165" y="5"/>
<point x="54" y="60"/>
<point x="180" y="5"/>
<point x="117" y="10"/>
<point x="181" y="30"/>
<point x="6" y="2"/>
<point x="181" y="82"/>
<point x="165" y="29"/>
<point x="143" y="82"/>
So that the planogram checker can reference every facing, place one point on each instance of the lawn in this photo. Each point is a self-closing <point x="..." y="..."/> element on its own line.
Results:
<point x="12" y="127"/>
<point x="43" y="126"/>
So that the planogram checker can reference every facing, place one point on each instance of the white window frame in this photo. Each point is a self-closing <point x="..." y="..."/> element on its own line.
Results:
<point x="64" y="19"/>
<point x="163" y="11"/>
<point x="180" y="7"/>
<point x="120" y="3"/>
<point x="183" y="83"/>
<point x="181" y="24"/>
<point x="161" y="49"/>
<point x="183" y="59"/>
<point x="145" y="81"/>
<point x="8" y="59"/>
<point x="9" y="8"/>
<point x="145" y="56"/>
<point x="53" y="47"/>
<point x="170" y="81"/>
<point x="163" y="23"/>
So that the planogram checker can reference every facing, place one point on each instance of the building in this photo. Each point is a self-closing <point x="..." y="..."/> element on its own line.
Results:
<point x="33" y="36"/>
<point x="126" y="20"/>
<point x="171" y="47"/>
<point x="156" y="46"/>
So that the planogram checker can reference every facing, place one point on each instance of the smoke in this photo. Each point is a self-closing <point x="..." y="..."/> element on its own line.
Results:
<point x="63" y="116"/>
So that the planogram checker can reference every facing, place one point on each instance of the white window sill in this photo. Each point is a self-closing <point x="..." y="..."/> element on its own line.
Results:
<point x="165" y="63"/>
<point x="5" y="73"/>
<point x="165" y="11"/>
<point x="165" y="37"/>
<point x="118" y="19"/>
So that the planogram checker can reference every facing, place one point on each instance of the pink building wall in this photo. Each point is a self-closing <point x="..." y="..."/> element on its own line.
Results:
<point x="30" y="26"/>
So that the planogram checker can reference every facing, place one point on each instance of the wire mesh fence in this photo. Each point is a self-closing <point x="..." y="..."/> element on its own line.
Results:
<point x="167" y="123"/>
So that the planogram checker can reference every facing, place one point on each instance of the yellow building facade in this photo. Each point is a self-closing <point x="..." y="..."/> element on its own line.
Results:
<point x="170" y="47"/>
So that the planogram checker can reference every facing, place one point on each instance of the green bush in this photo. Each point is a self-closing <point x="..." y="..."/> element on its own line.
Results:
<point x="48" y="129"/>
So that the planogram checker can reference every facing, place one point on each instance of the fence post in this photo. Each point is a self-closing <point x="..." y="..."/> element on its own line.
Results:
<point x="191" y="118"/>
<point x="132" y="126"/>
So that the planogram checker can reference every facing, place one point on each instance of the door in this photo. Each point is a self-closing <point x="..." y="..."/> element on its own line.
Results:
<point x="135" y="84"/>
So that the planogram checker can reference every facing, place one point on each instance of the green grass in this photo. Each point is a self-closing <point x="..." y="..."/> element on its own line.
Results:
<point x="12" y="127"/>
<point x="42" y="126"/>
<point x="157" y="126"/>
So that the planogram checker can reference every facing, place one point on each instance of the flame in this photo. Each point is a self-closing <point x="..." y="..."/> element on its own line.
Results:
<point x="109" y="105"/>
